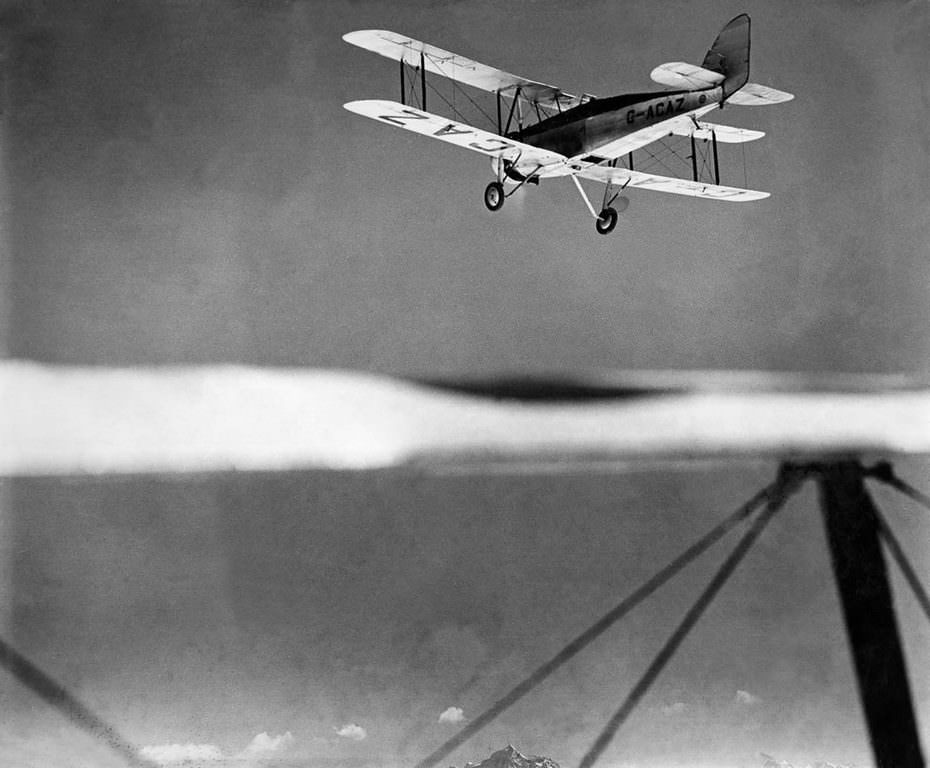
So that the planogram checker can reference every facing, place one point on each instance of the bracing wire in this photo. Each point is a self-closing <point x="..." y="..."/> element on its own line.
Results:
<point x="910" y="575"/>
<point x="58" y="697"/>
<point x="598" y="628"/>
<point x="884" y="472"/>
<point x="455" y="85"/>
<point x="784" y="487"/>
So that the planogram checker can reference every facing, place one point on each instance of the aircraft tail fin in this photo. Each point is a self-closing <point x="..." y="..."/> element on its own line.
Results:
<point x="729" y="55"/>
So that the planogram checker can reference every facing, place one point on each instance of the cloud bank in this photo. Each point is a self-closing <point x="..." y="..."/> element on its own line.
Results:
<point x="261" y="746"/>
<point x="452" y="715"/>
<point x="264" y="745"/>
<point x="352" y="731"/>
<point x="179" y="753"/>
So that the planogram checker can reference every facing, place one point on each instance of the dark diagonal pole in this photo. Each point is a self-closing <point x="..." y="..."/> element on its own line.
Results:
<point x="853" y="529"/>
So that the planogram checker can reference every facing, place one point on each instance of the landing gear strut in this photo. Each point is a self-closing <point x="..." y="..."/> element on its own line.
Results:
<point x="606" y="220"/>
<point x="494" y="196"/>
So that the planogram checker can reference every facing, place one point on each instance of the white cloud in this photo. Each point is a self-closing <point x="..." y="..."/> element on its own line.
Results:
<point x="178" y="753"/>
<point x="264" y="744"/>
<point x="674" y="709"/>
<point x="452" y="715"/>
<point x="352" y="731"/>
<point x="745" y="697"/>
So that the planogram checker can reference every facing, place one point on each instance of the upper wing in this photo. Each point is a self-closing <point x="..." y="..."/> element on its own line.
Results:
<point x="459" y="68"/>
<point x="428" y="124"/>
<point x="678" y="74"/>
<point x="755" y="95"/>
<point x="606" y="173"/>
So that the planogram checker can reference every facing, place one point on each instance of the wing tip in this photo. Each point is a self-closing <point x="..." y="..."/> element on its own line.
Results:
<point x="358" y="36"/>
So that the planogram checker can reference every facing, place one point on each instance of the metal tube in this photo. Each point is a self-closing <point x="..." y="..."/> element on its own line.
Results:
<point x="862" y="580"/>
<point x="693" y="159"/>
<point x="423" y="81"/>
<point x="403" y="87"/>
<point x="713" y="140"/>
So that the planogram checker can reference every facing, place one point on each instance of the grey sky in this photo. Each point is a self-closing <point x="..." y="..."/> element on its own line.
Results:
<point x="186" y="187"/>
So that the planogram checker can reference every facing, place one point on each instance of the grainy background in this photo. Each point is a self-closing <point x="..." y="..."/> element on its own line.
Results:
<point x="183" y="186"/>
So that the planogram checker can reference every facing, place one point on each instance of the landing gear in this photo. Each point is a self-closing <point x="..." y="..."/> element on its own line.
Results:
<point x="606" y="221"/>
<point x="494" y="196"/>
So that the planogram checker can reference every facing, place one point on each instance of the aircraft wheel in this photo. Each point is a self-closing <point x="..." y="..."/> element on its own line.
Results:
<point x="494" y="196"/>
<point x="606" y="222"/>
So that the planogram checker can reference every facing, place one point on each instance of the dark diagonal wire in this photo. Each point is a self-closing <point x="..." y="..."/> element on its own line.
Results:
<point x="595" y="630"/>
<point x="58" y="697"/>
<point x="884" y="472"/>
<point x="910" y="575"/>
<point x="786" y="484"/>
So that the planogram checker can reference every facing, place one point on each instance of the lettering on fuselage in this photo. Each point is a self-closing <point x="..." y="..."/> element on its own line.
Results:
<point x="662" y="109"/>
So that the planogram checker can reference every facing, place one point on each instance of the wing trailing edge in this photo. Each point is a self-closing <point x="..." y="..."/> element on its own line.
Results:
<point x="621" y="176"/>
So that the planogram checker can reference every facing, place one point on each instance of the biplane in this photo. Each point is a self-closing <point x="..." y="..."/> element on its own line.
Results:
<point x="549" y="133"/>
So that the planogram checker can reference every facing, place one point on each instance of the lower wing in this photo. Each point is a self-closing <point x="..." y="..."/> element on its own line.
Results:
<point x="609" y="175"/>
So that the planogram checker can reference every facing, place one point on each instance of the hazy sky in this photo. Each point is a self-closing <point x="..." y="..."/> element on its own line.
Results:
<point x="186" y="187"/>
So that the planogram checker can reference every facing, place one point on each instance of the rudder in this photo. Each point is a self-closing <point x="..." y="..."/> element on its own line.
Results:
<point x="729" y="55"/>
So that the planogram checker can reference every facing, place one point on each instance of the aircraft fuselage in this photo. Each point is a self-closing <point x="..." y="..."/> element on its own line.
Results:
<point x="599" y="122"/>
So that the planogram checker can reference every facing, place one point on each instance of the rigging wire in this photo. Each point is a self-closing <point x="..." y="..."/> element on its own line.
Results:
<point x="787" y="483"/>
<point x="455" y="85"/>
<point x="910" y="575"/>
<point x="60" y="698"/>
<point x="599" y="627"/>
<point x="884" y="473"/>
<point x="657" y="160"/>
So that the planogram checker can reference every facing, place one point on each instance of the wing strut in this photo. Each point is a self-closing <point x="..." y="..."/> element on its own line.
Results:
<point x="403" y="87"/>
<point x="422" y="82"/>
<point x="693" y="158"/>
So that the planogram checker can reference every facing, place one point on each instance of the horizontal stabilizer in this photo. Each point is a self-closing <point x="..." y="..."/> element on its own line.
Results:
<point x="755" y="95"/>
<point x="621" y="176"/>
<point x="459" y="68"/>
<point x="726" y="134"/>
<point x="452" y="132"/>
<point x="678" y="74"/>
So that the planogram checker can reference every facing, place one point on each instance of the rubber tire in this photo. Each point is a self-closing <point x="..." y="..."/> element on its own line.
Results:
<point x="606" y="221"/>
<point x="494" y="196"/>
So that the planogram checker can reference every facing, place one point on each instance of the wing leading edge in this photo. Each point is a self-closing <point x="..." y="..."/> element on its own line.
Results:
<point x="459" y="68"/>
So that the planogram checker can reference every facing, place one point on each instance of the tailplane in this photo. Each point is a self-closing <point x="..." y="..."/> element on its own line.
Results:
<point x="726" y="65"/>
